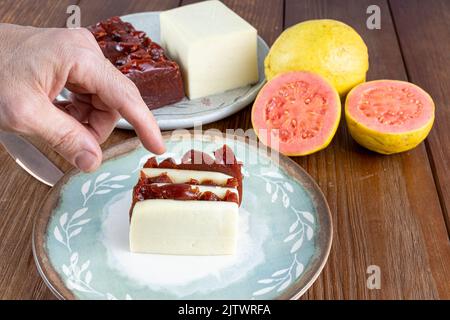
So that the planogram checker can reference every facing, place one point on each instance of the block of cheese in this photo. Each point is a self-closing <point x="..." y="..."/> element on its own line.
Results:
<point x="215" y="48"/>
<point x="184" y="227"/>
<point x="183" y="176"/>
<point x="187" y="208"/>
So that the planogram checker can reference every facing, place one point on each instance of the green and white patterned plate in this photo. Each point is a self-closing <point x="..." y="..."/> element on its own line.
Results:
<point x="80" y="239"/>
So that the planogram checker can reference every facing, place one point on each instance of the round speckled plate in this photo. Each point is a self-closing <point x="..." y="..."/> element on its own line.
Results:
<point x="80" y="238"/>
<point x="188" y="113"/>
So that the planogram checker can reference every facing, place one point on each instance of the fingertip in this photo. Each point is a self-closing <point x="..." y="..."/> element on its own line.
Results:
<point x="155" y="144"/>
<point x="161" y="148"/>
<point x="150" y="134"/>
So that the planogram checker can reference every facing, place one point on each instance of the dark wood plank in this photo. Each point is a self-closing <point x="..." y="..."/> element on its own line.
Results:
<point x="386" y="208"/>
<point x="425" y="44"/>
<point x="94" y="11"/>
<point x="35" y="13"/>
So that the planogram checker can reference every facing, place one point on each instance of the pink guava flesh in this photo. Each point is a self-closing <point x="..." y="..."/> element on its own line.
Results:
<point x="296" y="113"/>
<point x="390" y="106"/>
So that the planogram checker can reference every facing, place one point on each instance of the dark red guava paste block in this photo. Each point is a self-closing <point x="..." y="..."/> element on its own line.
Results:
<point x="143" y="61"/>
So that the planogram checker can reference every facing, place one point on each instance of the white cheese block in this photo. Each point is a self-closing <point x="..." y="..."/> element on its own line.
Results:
<point x="215" y="48"/>
<point x="183" y="176"/>
<point x="218" y="191"/>
<point x="184" y="227"/>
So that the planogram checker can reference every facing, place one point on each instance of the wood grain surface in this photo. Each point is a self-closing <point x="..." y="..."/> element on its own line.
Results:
<point x="389" y="211"/>
<point x="427" y="65"/>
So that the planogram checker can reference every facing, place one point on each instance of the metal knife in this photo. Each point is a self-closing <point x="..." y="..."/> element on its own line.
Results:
<point x="31" y="159"/>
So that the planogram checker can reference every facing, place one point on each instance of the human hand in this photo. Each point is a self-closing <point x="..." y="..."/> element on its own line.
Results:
<point x="37" y="63"/>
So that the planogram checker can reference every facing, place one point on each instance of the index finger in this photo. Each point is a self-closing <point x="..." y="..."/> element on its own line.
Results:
<point x="98" y="76"/>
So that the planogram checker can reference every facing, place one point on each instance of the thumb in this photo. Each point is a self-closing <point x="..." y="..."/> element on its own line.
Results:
<point x="69" y="138"/>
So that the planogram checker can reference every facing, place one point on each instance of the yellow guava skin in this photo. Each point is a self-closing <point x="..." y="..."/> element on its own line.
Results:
<point x="386" y="143"/>
<point x="327" y="47"/>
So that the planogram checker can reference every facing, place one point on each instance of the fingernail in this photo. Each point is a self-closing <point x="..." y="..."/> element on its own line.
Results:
<point x="85" y="161"/>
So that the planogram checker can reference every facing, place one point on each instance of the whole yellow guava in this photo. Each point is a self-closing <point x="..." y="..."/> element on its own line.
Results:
<point x="327" y="47"/>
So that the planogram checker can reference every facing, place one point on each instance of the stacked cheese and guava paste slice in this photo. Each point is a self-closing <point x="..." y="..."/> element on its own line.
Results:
<point x="189" y="208"/>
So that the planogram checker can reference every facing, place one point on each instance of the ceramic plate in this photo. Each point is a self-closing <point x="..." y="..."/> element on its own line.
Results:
<point x="80" y="239"/>
<point x="187" y="113"/>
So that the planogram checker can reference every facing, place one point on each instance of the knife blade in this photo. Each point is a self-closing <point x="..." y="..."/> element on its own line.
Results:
<point x="31" y="159"/>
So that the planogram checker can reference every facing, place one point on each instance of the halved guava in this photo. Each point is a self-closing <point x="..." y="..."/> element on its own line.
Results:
<point x="296" y="113"/>
<point x="389" y="116"/>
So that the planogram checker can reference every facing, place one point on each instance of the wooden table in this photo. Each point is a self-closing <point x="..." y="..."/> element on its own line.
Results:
<point x="389" y="211"/>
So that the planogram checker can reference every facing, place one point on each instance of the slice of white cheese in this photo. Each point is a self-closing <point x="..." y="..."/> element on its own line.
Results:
<point x="183" y="176"/>
<point x="216" y="48"/>
<point x="218" y="191"/>
<point x="184" y="227"/>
